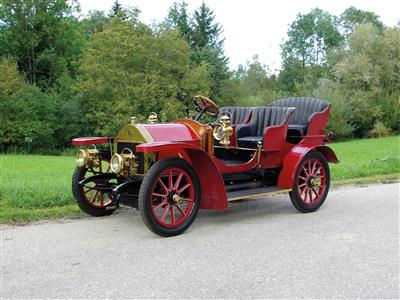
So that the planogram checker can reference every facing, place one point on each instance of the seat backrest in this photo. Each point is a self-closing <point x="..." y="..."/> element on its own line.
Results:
<point x="237" y="114"/>
<point x="305" y="107"/>
<point x="263" y="117"/>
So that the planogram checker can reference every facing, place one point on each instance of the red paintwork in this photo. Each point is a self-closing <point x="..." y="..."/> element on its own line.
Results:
<point x="293" y="159"/>
<point x="167" y="146"/>
<point x="317" y="123"/>
<point x="172" y="181"/>
<point x="213" y="194"/>
<point x="170" y="132"/>
<point x="310" y="169"/>
<point x="89" y="141"/>
<point x="236" y="168"/>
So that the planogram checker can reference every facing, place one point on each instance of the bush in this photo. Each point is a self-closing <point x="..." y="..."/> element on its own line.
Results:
<point x="379" y="130"/>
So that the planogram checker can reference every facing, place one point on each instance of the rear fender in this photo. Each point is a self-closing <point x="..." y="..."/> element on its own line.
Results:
<point x="293" y="159"/>
<point x="213" y="194"/>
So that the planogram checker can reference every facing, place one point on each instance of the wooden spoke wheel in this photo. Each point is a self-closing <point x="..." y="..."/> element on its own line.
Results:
<point x="90" y="198"/>
<point x="311" y="184"/>
<point x="169" y="197"/>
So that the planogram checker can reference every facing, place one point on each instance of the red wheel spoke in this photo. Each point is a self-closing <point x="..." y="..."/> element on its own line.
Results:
<point x="305" y="171"/>
<point x="101" y="198"/>
<point x="170" y="185"/>
<point x="164" y="215"/>
<point x="303" y="178"/>
<point x="187" y="199"/>
<point x="315" y="192"/>
<point x="304" y="184"/>
<point x="158" y="195"/>
<point x="172" y="213"/>
<point x="94" y="197"/>
<point x="162" y="185"/>
<point x="314" y="168"/>
<point x="160" y="205"/>
<point x="87" y="191"/>
<point x="178" y="181"/>
<point x="183" y="188"/>
<point x="311" y="196"/>
<point x="180" y="210"/>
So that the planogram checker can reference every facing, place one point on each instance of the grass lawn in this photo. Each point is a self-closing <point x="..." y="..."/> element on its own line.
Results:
<point x="35" y="187"/>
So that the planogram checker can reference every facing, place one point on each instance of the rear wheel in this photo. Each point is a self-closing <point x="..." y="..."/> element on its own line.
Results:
<point x="169" y="197"/>
<point x="91" y="201"/>
<point x="311" y="182"/>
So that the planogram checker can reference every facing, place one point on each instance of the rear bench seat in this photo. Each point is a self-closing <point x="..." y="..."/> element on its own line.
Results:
<point x="248" y="135"/>
<point x="305" y="108"/>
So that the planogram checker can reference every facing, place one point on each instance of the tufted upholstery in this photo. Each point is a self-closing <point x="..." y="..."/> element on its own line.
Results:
<point x="238" y="114"/>
<point x="305" y="108"/>
<point x="248" y="135"/>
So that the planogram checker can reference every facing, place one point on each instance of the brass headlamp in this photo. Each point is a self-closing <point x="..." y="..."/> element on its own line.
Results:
<point x="152" y="118"/>
<point x="124" y="164"/>
<point x="223" y="131"/>
<point x="88" y="158"/>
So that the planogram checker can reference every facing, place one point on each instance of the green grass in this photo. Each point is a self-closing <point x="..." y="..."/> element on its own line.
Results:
<point x="35" y="187"/>
<point x="367" y="157"/>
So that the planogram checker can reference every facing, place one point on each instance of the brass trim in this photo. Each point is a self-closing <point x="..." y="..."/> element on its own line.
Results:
<point x="255" y="196"/>
<point x="238" y="148"/>
<point x="145" y="133"/>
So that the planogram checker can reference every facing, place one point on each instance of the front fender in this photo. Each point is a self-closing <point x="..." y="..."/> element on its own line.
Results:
<point x="213" y="193"/>
<point x="293" y="159"/>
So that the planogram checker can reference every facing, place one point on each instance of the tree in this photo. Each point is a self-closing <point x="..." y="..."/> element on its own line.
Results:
<point x="128" y="69"/>
<point x="353" y="16"/>
<point x="310" y="38"/>
<point x="115" y="9"/>
<point x="202" y="33"/>
<point x="43" y="36"/>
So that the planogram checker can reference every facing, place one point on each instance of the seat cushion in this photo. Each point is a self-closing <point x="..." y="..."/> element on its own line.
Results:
<point x="249" y="141"/>
<point x="297" y="129"/>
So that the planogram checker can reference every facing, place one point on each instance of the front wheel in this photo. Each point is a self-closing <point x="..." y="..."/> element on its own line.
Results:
<point x="91" y="200"/>
<point x="169" y="197"/>
<point x="311" y="182"/>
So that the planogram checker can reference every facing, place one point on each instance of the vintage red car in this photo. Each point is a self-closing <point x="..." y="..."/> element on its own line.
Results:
<point x="170" y="170"/>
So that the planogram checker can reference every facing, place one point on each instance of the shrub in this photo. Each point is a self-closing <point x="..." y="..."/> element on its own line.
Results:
<point x="379" y="130"/>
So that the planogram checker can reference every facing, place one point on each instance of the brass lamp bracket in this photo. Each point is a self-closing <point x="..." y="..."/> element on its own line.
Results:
<point x="223" y="131"/>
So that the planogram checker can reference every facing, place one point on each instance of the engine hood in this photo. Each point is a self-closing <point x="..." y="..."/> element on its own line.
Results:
<point x="149" y="133"/>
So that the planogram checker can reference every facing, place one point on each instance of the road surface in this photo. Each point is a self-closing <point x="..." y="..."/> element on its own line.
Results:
<point x="255" y="249"/>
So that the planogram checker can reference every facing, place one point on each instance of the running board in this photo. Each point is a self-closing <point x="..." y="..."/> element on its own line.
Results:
<point x="255" y="193"/>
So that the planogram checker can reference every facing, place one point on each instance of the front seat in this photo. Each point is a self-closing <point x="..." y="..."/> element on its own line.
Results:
<point x="305" y="108"/>
<point x="249" y="135"/>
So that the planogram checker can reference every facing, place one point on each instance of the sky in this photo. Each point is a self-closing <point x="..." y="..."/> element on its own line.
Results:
<point x="254" y="27"/>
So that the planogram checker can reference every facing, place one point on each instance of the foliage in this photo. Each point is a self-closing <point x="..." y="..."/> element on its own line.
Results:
<point x="128" y="69"/>
<point x="379" y="130"/>
<point x="62" y="76"/>
<point x="43" y="36"/>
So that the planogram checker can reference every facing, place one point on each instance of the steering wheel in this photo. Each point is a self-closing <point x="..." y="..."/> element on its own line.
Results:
<point x="203" y="104"/>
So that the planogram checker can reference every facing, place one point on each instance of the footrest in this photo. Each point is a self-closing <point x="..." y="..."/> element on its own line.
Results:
<point x="256" y="193"/>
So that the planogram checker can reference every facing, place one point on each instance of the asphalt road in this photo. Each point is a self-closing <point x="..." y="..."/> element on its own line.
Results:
<point x="255" y="249"/>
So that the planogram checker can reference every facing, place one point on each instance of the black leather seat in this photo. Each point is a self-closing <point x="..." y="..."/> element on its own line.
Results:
<point x="250" y="134"/>
<point x="237" y="114"/>
<point x="305" y="108"/>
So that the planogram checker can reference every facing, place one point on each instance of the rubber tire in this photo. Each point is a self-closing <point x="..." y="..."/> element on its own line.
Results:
<point x="294" y="196"/>
<point x="80" y="199"/>
<point x="146" y="190"/>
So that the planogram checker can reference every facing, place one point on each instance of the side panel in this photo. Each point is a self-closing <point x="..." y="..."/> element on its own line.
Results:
<point x="293" y="159"/>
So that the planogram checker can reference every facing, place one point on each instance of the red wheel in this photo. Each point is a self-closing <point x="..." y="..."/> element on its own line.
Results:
<point x="311" y="182"/>
<point x="169" y="197"/>
<point x="91" y="200"/>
